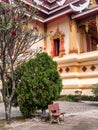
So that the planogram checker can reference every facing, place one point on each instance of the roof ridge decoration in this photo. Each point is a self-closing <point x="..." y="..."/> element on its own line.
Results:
<point x="81" y="7"/>
<point x="40" y="2"/>
<point x="11" y="2"/>
<point x="60" y="3"/>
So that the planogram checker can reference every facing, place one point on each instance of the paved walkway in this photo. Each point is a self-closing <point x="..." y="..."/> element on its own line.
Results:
<point x="71" y="108"/>
<point x="78" y="116"/>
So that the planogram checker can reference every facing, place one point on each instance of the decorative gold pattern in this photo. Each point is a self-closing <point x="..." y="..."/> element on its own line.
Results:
<point x="58" y="35"/>
<point x="92" y="3"/>
<point x="97" y="23"/>
<point x="73" y="32"/>
<point x="87" y="26"/>
<point x="74" y="51"/>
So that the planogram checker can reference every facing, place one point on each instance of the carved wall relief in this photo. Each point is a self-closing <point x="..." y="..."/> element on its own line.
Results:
<point x="57" y="44"/>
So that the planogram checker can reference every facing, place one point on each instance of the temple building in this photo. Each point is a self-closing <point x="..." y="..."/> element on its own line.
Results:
<point x="72" y="29"/>
<point x="73" y="42"/>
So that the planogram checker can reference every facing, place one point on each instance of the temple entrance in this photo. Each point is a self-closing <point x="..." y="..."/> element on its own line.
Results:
<point x="56" y="47"/>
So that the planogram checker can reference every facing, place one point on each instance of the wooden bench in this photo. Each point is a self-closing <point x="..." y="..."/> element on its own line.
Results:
<point x="55" y="114"/>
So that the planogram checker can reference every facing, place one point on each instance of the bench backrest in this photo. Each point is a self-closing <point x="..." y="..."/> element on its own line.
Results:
<point x="53" y="107"/>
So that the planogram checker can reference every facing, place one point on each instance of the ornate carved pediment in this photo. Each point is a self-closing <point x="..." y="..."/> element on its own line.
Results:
<point x="40" y="2"/>
<point x="58" y="34"/>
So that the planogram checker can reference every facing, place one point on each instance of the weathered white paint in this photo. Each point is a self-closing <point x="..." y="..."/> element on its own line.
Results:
<point x="81" y="7"/>
<point x="61" y="2"/>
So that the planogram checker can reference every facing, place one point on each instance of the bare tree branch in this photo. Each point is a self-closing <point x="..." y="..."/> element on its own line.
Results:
<point x="16" y="39"/>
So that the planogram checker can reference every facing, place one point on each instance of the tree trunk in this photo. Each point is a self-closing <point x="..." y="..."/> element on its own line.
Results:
<point x="7" y="111"/>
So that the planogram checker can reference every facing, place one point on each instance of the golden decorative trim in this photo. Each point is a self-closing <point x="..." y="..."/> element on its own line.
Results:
<point x="87" y="26"/>
<point x="73" y="51"/>
<point x="92" y="3"/>
<point x="73" y="37"/>
<point x="58" y="35"/>
<point x="97" y="22"/>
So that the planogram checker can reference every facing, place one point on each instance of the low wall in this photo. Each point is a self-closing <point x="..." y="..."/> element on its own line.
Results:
<point x="78" y="72"/>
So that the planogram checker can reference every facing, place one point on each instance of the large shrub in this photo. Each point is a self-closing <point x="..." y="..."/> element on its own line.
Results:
<point x="38" y="83"/>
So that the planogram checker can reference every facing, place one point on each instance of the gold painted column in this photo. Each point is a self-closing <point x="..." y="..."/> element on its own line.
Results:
<point x="62" y="49"/>
<point x="88" y="42"/>
<point x="73" y="37"/>
<point x="81" y="32"/>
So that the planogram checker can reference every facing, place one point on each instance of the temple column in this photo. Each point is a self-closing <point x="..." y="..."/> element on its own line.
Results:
<point x="81" y="41"/>
<point x="62" y="50"/>
<point x="88" y="42"/>
<point x="73" y="37"/>
<point x="97" y="23"/>
<point x="52" y="47"/>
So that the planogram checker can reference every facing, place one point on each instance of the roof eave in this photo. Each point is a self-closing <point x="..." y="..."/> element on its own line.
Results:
<point x="79" y="15"/>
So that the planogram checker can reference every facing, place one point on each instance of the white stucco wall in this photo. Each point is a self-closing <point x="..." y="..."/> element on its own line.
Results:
<point x="63" y="25"/>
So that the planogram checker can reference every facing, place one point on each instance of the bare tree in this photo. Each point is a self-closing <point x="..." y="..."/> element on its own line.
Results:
<point x="16" y="38"/>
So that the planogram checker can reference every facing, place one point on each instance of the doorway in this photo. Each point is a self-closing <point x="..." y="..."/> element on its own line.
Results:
<point x="56" y="47"/>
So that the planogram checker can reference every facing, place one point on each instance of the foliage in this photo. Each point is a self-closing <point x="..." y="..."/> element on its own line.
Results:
<point x="16" y="38"/>
<point x="38" y="83"/>
<point x="69" y="98"/>
<point x="95" y="90"/>
<point x="25" y="93"/>
<point x="88" y="98"/>
<point x="72" y="98"/>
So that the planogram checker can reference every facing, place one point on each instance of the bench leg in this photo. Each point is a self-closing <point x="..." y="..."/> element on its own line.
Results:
<point x="58" y="120"/>
<point x="51" y="119"/>
<point x="62" y="117"/>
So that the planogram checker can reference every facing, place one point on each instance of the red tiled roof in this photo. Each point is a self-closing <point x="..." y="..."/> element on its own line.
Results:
<point x="50" y="10"/>
<point x="68" y="1"/>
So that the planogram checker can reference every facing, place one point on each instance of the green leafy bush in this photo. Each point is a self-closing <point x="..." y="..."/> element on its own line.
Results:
<point x="95" y="91"/>
<point x="72" y="98"/>
<point x="38" y="84"/>
<point x="69" y="98"/>
<point x="88" y="98"/>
